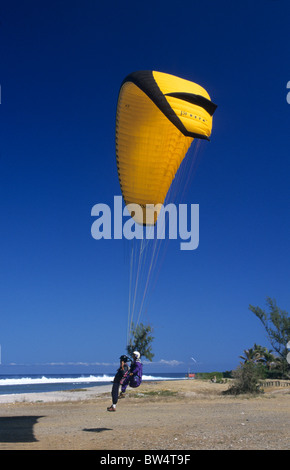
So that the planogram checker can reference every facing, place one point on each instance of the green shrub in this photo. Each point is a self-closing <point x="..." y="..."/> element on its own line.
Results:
<point x="247" y="379"/>
<point x="209" y="375"/>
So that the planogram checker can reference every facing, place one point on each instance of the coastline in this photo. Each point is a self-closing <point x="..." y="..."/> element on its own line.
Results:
<point x="173" y="415"/>
<point x="56" y="396"/>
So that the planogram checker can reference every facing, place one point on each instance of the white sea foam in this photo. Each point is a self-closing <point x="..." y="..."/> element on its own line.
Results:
<point x="53" y="380"/>
<point x="73" y="380"/>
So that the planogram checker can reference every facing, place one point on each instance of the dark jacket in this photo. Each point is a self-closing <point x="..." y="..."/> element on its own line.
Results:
<point x="120" y="373"/>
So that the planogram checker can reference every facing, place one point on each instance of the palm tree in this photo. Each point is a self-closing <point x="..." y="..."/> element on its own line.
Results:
<point x="269" y="360"/>
<point x="261" y="355"/>
<point x="251" y="355"/>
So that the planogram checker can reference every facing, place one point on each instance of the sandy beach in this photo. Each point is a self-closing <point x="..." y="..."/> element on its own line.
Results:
<point x="173" y="415"/>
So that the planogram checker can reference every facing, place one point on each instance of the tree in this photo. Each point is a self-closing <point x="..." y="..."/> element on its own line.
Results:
<point x="247" y="379"/>
<point x="269" y="360"/>
<point x="141" y="340"/>
<point x="277" y="326"/>
<point x="251" y="355"/>
<point x="260" y="355"/>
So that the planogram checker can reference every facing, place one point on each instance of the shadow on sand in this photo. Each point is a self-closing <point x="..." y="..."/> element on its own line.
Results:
<point x="97" y="429"/>
<point x="18" y="428"/>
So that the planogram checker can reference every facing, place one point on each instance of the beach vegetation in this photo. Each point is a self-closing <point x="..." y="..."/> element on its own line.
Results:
<point x="141" y="340"/>
<point x="217" y="377"/>
<point x="277" y="326"/>
<point x="247" y="379"/>
<point x="271" y="364"/>
<point x="156" y="394"/>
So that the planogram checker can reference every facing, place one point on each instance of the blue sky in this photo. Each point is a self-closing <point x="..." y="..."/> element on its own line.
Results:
<point x="64" y="295"/>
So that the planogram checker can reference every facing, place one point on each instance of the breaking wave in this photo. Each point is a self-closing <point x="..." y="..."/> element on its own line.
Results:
<point x="45" y="380"/>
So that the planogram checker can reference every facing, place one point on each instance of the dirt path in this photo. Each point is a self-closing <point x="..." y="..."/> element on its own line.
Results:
<point x="177" y="415"/>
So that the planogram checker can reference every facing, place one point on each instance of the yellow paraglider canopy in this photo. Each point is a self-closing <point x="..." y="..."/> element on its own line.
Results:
<point x="158" y="116"/>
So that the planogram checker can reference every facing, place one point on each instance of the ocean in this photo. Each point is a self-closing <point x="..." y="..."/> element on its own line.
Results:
<point x="14" y="384"/>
